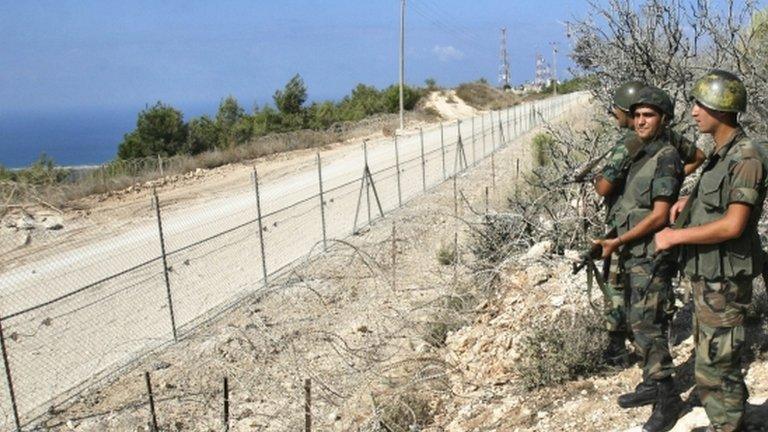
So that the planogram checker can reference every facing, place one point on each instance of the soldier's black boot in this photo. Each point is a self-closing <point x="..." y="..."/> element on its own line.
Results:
<point x="616" y="353"/>
<point x="667" y="408"/>
<point x="645" y="393"/>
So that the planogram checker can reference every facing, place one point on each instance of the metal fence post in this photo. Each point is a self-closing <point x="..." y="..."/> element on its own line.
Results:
<point x="482" y="127"/>
<point x="442" y="149"/>
<point x="9" y="380"/>
<point x="261" y="227"/>
<point x="153" y="416"/>
<point x="322" y="199"/>
<point x="397" y="167"/>
<point x="165" y="263"/>
<point x="455" y="231"/>
<point x="226" y="404"/>
<point x="493" y="171"/>
<point x="493" y="135"/>
<point x="308" y="405"/>
<point x="474" y="152"/>
<point x="423" y="162"/>
<point x="509" y="135"/>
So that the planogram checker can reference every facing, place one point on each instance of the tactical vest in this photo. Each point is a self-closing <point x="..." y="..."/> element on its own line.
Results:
<point x="634" y="203"/>
<point x="741" y="257"/>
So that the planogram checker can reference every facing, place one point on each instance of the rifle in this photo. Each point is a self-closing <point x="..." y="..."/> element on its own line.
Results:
<point x="587" y="259"/>
<point x="586" y="170"/>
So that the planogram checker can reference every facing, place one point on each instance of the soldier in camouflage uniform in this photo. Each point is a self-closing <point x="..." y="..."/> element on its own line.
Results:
<point x="720" y="245"/>
<point x="616" y="298"/>
<point x="652" y="183"/>
<point x="614" y="171"/>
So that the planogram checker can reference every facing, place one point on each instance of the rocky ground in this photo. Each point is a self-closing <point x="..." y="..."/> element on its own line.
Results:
<point x="486" y="378"/>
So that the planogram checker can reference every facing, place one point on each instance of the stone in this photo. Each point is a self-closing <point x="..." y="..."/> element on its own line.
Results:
<point x="25" y="223"/>
<point x="53" y="223"/>
<point x="23" y="238"/>
<point x="538" y="250"/>
<point x="161" y="365"/>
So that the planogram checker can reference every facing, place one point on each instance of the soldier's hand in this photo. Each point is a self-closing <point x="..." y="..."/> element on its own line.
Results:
<point x="609" y="246"/>
<point x="677" y="207"/>
<point x="663" y="239"/>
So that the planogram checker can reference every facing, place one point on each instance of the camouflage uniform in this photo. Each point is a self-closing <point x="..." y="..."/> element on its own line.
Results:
<point x="615" y="170"/>
<point x="655" y="172"/>
<point x="721" y="276"/>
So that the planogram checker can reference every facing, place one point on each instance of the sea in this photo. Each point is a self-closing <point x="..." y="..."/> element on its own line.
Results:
<point x="73" y="137"/>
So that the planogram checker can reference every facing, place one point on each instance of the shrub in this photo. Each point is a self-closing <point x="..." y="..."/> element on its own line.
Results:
<point x="405" y="412"/>
<point x="391" y="97"/>
<point x="557" y="351"/>
<point x="541" y="146"/>
<point x="451" y="314"/>
<point x="160" y="130"/>
<point x="203" y="135"/>
<point x="42" y="172"/>
<point x="292" y="97"/>
<point x="493" y="240"/>
<point x="446" y="254"/>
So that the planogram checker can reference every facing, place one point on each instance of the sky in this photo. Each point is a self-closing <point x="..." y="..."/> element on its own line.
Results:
<point x="70" y="55"/>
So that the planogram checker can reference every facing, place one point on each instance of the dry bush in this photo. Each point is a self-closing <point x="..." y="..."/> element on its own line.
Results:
<point x="446" y="254"/>
<point x="406" y="401"/>
<point x="451" y="312"/>
<point x="670" y="43"/>
<point x="561" y="349"/>
<point x="482" y="96"/>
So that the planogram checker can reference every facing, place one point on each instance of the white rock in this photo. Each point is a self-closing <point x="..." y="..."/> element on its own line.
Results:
<point x="23" y="238"/>
<point x="53" y="223"/>
<point x="538" y="250"/>
<point x="557" y="301"/>
<point x="25" y="223"/>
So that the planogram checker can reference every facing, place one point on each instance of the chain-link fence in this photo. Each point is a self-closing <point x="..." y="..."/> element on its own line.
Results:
<point x="80" y="311"/>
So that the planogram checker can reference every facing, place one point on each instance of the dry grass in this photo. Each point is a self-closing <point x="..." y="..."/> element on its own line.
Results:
<point x="482" y="96"/>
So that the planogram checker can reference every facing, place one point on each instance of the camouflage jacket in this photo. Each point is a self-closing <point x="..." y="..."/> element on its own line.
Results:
<point x="615" y="169"/>
<point x="736" y="173"/>
<point x="655" y="172"/>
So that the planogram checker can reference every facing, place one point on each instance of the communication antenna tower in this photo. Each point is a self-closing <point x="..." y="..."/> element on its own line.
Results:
<point x="543" y="76"/>
<point x="504" y="67"/>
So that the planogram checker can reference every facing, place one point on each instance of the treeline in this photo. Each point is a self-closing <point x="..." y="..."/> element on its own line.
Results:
<point x="161" y="130"/>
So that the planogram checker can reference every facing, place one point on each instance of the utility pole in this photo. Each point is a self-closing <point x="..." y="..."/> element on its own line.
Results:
<point x="554" y="67"/>
<point x="402" y="63"/>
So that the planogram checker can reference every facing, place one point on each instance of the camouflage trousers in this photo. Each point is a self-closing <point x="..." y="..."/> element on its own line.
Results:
<point x="651" y="307"/>
<point x="719" y="337"/>
<point x="616" y="299"/>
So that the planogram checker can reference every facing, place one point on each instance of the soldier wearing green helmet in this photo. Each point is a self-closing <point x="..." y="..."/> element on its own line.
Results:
<point x="720" y="245"/>
<point x="614" y="172"/>
<point x="650" y="185"/>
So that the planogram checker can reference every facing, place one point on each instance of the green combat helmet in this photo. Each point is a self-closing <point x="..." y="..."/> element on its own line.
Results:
<point x="721" y="91"/>
<point x="657" y="98"/>
<point x="626" y="93"/>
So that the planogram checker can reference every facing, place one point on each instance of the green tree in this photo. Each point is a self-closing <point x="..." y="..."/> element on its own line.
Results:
<point x="431" y="84"/>
<point x="160" y="130"/>
<point x="292" y="97"/>
<point x="392" y="98"/>
<point x="203" y="135"/>
<point x="228" y="118"/>
<point x="362" y="102"/>
<point x="322" y="115"/>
